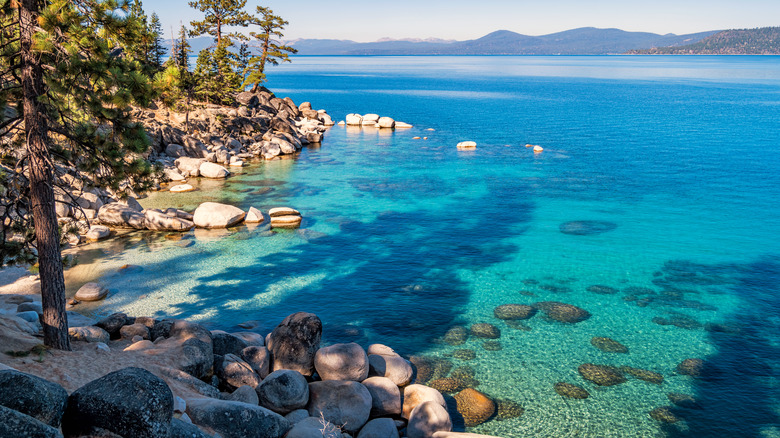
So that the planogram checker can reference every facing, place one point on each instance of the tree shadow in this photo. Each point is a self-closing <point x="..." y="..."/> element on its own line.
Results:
<point x="738" y="395"/>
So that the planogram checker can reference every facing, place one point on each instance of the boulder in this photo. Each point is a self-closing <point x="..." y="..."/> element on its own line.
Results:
<point x="226" y="343"/>
<point x="16" y="424"/>
<point x="415" y="395"/>
<point x="641" y="374"/>
<point x="91" y="292"/>
<point x="385" y="122"/>
<point x="514" y="311"/>
<point x="234" y="373"/>
<point x="173" y="175"/>
<point x="485" y="330"/>
<point x="98" y="232"/>
<point x="215" y="215"/>
<point x="89" y="334"/>
<point x="283" y="211"/>
<point x="232" y="419"/>
<point x="188" y="345"/>
<point x="122" y="216"/>
<point x="132" y="330"/>
<point x="182" y="429"/>
<point x="283" y="391"/>
<point x="571" y="391"/>
<point x="297" y="415"/>
<point x="402" y="125"/>
<point x="467" y="145"/>
<point x="132" y="203"/>
<point x="258" y="358"/>
<point x="664" y="414"/>
<point x="562" y="312"/>
<point x="213" y="170"/>
<point x="379" y="428"/>
<point x="244" y="394"/>
<point x="340" y="402"/>
<point x="385" y="396"/>
<point x="354" y="119"/>
<point x="175" y="150"/>
<point x="31" y="395"/>
<point x="342" y="362"/>
<point x="251" y="338"/>
<point x="247" y="98"/>
<point x="189" y="166"/>
<point x="289" y="222"/>
<point x="608" y="345"/>
<point x="294" y="342"/>
<point x="254" y="216"/>
<point x="456" y="335"/>
<point x="311" y="427"/>
<point x="159" y="221"/>
<point x="475" y="407"/>
<point x="370" y="120"/>
<point x="693" y="367"/>
<point x="113" y="323"/>
<point x="426" y="419"/>
<point x="602" y="375"/>
<point x="270" y="150"/>
<point x="131" y="402"/>
<point x="394" y="367"/>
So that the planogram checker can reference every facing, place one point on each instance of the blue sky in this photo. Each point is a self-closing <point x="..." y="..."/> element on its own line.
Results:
<point x="468" y="19"/>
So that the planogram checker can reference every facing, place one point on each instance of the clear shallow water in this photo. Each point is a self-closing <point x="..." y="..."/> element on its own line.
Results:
<point x="403" y="238"/>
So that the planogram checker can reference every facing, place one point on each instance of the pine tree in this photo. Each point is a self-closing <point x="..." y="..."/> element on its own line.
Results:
<point x="205" y="77"/>
<point x="65" y="100"/>
<point x="182" y="50"/>
<point x="272" y="51"/>
<point x="158" y="49"/>
<point x="219" y="14"/>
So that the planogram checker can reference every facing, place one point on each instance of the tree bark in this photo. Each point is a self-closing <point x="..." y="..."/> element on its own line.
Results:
<point x="36" y="125"/>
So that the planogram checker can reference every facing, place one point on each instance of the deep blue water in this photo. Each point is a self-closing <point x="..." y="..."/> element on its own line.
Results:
<point x="405" y="238"/>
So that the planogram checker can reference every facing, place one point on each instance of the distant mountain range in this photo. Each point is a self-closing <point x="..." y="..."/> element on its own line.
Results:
<point x="761" y="41"/>
<point x="582" y="41"/>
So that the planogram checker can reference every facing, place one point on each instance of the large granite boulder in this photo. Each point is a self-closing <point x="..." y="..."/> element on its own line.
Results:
<point x="33" y="396"/>
<point x="91" y="292"/>
<point x="416" y="394"/>
<point x="89" y="334"/>
<point x="188" y="344"/>
<point x="158" y="221"/>
<point x="294" y="342"/>
<point x="385" y="396"/>
<point x="216" y="215"/>
<point x="311" y="427"/>
<point x="258" y="358"/>
<point x="475" y="407"/>
<point x="426" y="419"/>
<point x="283" y="391"/>
<point x="340" y="402"/>
<point x="392" y="366"/>
<point x="15" y="424"/>
<point x="232" y="419"/>
<point x="354" y="119"/>
<point x="131" y="402"/>
<point x="213" y="170"/>
<point x="379" y="428"/>
<point x="233" y="372"/>
<point x="342" y="362"/>
<point x="121" y="216"/>
<point x="226" y="343"/>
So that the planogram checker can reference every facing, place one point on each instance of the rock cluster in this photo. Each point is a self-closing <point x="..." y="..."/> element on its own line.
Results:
<point x="373" y="121"/>
<point x="312" y="392"/>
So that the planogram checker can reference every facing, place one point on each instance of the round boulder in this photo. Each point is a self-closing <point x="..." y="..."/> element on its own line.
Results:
<point x="456" y="335"/>
<point x="514" y="311"/>
<point x="426" y="419"/>
<point x="485" y="330"/>
<point x="563" y="312"/>
<point x="340" y="402"/>
<point x="475" y="407"/>
<point x="283" y="391"/>
<point x="234" y="373"/>
<point x="385" y="396"/>
<point x="602" y="375"/>
<point x="311" y="427"/>
<point x="379" y="428"/>
<point x="34" y="396"/>
<point x="294" y="342"/>
<point x="342" y="362"/>
<point x="394" y="367"/>
<point x="258" y="358"/>
<point x="216" y="215"/>
<point x="91" y="292"/>
<point x="415" y="395"/>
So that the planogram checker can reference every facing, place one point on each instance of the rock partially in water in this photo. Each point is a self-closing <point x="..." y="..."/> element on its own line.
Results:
<point x="646" y="375"/>
<point x="571" y="391"/>
<point x="492" y="345"/>
<point x="563" y="312"/>
<point x="485" y="330"/>
<point x="693" y="367"/>
<point x="586" y="228"/>
<point x="683" y="400"/>
<point x="475" y="407"/>
<point x="415" y="394"/>
<point x="664" y="414"/>
<point x="456" y="335"/>
<point x="340" y="402"/>
<point x="342" y="362"/>
<point x="608" y="345"/>
<point x="464" y="354"/>
<point x="507" y="409"/>
<point x="385" y="396"/>
<point x="428" y="418"/>
<point x="294" y="342"/>
<point x="91" y="292"/>
<point x="601" y="289"/>
<point x="514" y="311"/>
<point x="602" y="375"/>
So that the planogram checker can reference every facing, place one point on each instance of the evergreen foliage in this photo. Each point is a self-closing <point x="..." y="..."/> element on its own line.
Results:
<point x="219" y="13"/>
<point x="760" y="41"/>
<point x="272" y="51"/>
<point x="158" y="50"/>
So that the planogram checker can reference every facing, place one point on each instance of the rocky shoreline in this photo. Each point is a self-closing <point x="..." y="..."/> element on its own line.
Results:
<point x="144" y="377"/>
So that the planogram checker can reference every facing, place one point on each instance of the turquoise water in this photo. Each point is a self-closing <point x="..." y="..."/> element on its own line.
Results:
<point x="403" y="238"/>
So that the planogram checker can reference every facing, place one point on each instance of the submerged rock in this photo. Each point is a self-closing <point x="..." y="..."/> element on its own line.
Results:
<point x="464" y="354"/>
<point x="428" y="368"/>
<point x="601" y="289"/>
<point x="415" y="395"/>
<point x="571" y="391"/>
<point x="514" y="311"/>
<point x="586" y="228"/>
<point x="664" y="414"/>
<point x="457" y="335"/>
<point x="646" y="375"/>
<point x="475" y="407"/>
<point x="507" y="409"/>
<point x="602" y="375"/>
<point x="563" y="312"/>
<point x="448" y="385"/>
<point x="492" y="345"/>
<point x="608" y="345"/>
<point x="683" y="400"/>
<point x="693" y="367"/>
<point x="485" y="330"/>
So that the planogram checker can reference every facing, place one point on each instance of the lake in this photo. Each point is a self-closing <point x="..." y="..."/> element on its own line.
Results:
<point x="654" y="207"/>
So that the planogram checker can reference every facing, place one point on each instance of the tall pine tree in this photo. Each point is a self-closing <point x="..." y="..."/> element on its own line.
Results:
<point x="272" y="51"/>
<point x="158" y="49"/>
<point x="219" y="14"/>
<point x="65" y="100"/>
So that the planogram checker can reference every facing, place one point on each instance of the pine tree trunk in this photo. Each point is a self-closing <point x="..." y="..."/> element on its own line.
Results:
<point x="55" y="322"/>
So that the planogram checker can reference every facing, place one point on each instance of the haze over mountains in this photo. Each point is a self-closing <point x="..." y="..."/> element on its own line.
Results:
<point x="582" y="41"/>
